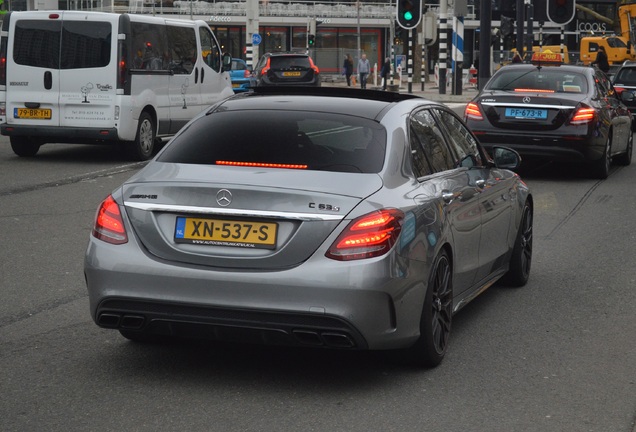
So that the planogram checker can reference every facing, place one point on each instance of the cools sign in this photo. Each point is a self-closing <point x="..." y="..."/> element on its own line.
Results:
<point x="589" y="27"/>
<point x="218" y="18"/>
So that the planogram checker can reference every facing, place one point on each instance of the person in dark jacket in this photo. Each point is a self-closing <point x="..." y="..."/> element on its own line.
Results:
<point x="601" y="60"/>
<point x="347" y="68"/>
<point x="385" y="72"/>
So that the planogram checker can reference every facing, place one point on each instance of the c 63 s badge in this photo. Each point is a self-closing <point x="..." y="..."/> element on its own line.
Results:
<point x="325" y="207"/>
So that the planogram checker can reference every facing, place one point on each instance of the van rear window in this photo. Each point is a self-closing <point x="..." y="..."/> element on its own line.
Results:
<point x="62" y="44"/>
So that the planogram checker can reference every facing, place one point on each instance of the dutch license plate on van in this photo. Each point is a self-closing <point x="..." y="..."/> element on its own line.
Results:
<point x="32" y="113"/>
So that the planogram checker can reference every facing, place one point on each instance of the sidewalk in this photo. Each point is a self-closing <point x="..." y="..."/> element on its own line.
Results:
<point x="431" y="91"/>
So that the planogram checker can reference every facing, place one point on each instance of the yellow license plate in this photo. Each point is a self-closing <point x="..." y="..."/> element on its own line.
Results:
<point x="235" y="85"/>
<point x="32" y="113"/>
<point x="220" y="232"/>
<point x="291" y="74"/>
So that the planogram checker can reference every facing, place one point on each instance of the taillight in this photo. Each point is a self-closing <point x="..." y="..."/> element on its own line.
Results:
<point x="265" y="68"/>
<point x="473" y="112"/>
<point x="247" y="74"/>
<point x="109" y="225"/>
<point x="371" y="235"/>
<point x="314" y="67"/>
<point x="583" y="115"/>
<point x="619" y="90"/>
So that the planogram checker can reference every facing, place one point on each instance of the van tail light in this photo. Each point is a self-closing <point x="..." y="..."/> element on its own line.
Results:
<point x="368" y="236"/>
<point x="109" y="224"/>
<point x="473" y="112"/>
<point x="122" y="65"/>
<point x="3" y="61"/>
<point x="583" y="116"/>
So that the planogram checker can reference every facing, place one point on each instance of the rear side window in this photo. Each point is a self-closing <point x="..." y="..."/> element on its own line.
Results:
<point x="281" y="139"/>
<point x="62" y="44"/>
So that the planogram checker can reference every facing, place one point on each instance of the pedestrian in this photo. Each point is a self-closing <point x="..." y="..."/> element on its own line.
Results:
<point x="517" y="58"/>
<point x="601" y="60"/>
<point x="385" y="72"/>
<point x="363" y="70"/>
<point x="347" y="68"/>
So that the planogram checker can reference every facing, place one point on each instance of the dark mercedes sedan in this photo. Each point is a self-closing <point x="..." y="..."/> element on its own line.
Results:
<point x="558" y="112"/>
<point x="340" y="218"/>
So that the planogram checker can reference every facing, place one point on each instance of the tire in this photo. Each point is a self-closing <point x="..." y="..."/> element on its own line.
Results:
<point x="24" y="146"/>
<point x="521" y="257"/>
<point x="601" y="167"/>
<point x="142" y="148"/>
<point x="626" y="158"/>
<point x="436" y="320"/>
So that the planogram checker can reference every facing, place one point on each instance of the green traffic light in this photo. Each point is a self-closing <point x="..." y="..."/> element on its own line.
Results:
<point x="408" y="16"/>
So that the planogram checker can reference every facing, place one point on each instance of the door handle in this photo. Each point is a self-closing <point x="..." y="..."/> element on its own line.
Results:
<point x="48" y="80"/>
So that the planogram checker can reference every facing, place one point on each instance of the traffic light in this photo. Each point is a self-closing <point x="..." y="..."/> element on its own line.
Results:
<point x="409" y="13"/>
<point x="507" y="27"/>
<point x="561" y="11"/>
<point x="311" y="40"/>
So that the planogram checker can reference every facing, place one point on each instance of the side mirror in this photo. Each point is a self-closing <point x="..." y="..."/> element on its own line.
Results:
<point x="506" y="158"/>
<point x="627" y="96"/>
<point x="227" y="62"/>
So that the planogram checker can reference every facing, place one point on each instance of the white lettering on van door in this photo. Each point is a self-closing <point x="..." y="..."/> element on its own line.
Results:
<point x="19" y="83"/>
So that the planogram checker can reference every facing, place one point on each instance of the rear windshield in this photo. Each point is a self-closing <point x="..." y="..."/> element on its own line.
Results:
<point x="281" y="139"/>
<point x="546" y="79"/>
<point x="62" y="44"/>
<point x="626" y="76"/>
<point x="289" y="62"/>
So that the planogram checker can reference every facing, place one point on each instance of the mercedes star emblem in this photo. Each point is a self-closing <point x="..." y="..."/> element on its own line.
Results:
<point x="224" y="197"/>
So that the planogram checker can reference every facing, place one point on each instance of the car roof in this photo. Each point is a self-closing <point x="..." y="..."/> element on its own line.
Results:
<point x="564" y="67"/>
<point x="370" y="104"/>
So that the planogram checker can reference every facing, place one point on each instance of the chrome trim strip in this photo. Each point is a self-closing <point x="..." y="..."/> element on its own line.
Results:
<point x="231" y="212"/>
<point x="503" y="104"/>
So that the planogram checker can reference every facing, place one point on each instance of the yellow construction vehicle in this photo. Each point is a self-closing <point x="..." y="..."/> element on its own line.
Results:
<point x="619" y="47"/>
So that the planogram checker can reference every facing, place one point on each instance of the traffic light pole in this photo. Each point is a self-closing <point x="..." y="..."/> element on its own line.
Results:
<point x="443" y="44"/>
<point x="485" y="28"/>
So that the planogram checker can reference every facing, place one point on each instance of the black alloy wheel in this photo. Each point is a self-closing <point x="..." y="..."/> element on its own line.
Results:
<point x="521" y="258"/>
<point x="437" y="314"/>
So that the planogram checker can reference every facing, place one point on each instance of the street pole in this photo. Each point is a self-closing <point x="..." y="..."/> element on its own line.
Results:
<point x="530" y="26"/>
<point x="485" y="29"/>
<point x="251" y="28"/>
<point x="520" y="32"/>
<point x="443" y="44"/>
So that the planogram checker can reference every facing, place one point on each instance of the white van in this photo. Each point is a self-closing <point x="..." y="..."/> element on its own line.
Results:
<point x="84" y="77"/>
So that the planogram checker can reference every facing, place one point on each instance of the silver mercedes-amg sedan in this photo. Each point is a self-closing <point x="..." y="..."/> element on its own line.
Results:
<point x="321" y="217"/>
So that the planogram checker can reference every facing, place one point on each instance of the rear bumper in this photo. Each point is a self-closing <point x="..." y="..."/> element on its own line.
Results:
<point x="355" y="305"/>
<point x="564" y="148"/>
<point x="61" y="134"/>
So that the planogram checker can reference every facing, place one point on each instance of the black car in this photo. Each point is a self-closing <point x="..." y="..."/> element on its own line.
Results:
<point x="560" y="112"/>
<point x="625" y="80"/>
<point x="287" y="69"/>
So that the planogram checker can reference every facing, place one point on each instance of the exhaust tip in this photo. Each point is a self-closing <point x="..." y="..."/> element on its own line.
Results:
<point x="308" y="337"/>
<point x="337" y="340"/>
<point x="108" y="320"/>
<point x="133" y="322"/>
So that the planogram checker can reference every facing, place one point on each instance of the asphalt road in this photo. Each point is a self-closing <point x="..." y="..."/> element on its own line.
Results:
<point x="556" y="355"/>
